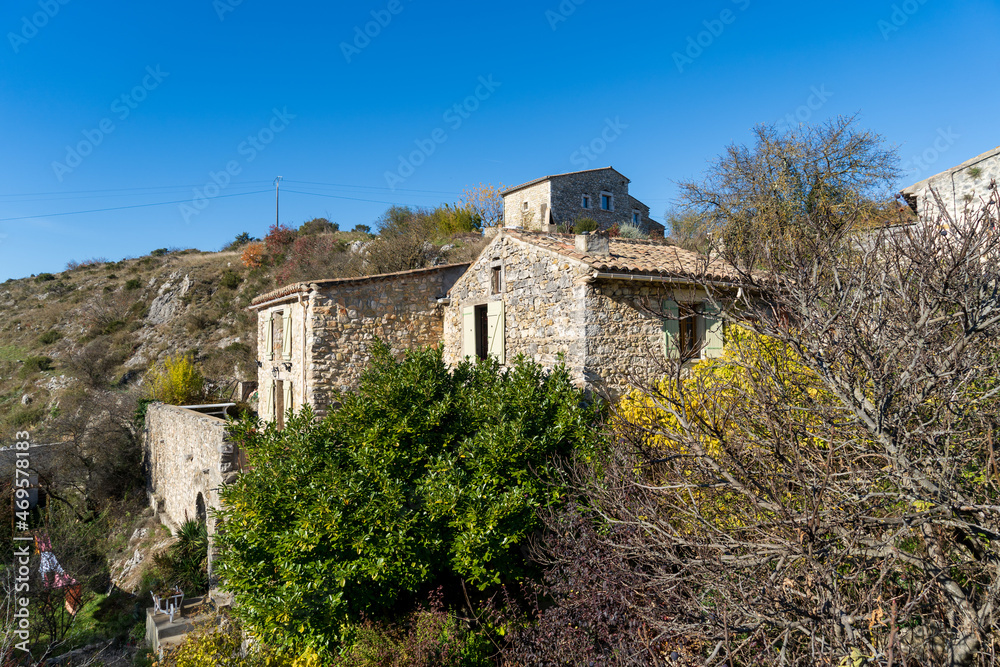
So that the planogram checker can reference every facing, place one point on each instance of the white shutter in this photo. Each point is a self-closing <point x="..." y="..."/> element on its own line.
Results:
<point x="288" y="396"/>
<point x="469" y="331"/>
<point x="286" y="339"/>
<point x="671" y="329"/>
<point x="269" y="337"/>
<point x="496" y="329"/>
<point x="272" y="400"/>
<point x="714" y="338"/>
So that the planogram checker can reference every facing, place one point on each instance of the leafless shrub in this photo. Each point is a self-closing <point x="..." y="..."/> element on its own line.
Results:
<point x="833" y="495"/>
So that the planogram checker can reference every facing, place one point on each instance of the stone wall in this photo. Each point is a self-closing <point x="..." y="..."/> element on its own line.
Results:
<point x="188" y="454"/>
<point x="625" y="338"/>
<point x="347" y="316"/>
<point x="543" y="296"/>
<point x="959" y="188"/>
<point x="568" y="191"/>
<point x="538" y="198"/>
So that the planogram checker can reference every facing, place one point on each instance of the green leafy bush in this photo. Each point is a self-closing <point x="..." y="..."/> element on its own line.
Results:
<point x="133" y="283"/>
<point x="160" y="252"/>
<point x="631" y="232"/>
<point x="362" y="228"/>
<point x="44" y="277"/>
<point x="37" y="364"/>
<point x="319" y="226"/>
<point x="584" y="225"/>
<point x="230" y="280"/>
<point x="49" y="337"/>
<point x="424" y="476"/>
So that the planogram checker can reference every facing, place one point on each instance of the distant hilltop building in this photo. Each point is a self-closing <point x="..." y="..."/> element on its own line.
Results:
<point x="602" y="195"/>
<point x="959" y="188"/>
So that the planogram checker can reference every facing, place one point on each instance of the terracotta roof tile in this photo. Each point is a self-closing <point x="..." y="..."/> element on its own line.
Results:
<point x="660" y="258"/>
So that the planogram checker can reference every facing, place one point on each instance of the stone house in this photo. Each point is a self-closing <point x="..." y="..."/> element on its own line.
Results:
<point x="608" y="308"/>
<point x="313" y="338"/>
<point x="600" y="194"/>
<point x="959" y="188"/>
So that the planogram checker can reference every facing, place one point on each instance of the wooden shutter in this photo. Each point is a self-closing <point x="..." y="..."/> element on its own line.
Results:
<point x="269" y="337"/>
<point x="496" y="330"/>
<point x="272" y="401"/>
<point x="671" y="329"/>
<point x="714" y="339"/>
<point x="286" y="338"/>
<point x="469" y="331"/>
<point x="288" y="396"/>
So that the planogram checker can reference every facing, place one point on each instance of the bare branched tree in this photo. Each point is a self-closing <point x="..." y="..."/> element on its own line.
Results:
<point x="827" y="492"/>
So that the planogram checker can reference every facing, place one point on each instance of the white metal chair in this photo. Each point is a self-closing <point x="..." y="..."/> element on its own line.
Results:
<point x="168" y="604"/>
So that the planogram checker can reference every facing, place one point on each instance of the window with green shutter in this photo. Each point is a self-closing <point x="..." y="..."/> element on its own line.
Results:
<point x="286" y="338"/>
<point x="496" y="331"/>
<point x="671" y="329"/>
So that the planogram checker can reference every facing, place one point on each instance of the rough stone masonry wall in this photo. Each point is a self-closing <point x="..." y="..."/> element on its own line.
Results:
<point x="537" y="197"/>
<point x="401" y="310"/>
<point x="189" y="454"/>
<point x="959" y="189"/>
<point x="543" y="296"/>
<point x="568" y="191"/>
<point x="277" y="368"/>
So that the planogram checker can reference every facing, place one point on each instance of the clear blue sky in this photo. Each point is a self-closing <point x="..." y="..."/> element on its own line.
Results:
<point x="184" y="85"/>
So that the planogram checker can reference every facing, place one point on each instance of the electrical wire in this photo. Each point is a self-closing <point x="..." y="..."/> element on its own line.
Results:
<point x="120" y="208"/>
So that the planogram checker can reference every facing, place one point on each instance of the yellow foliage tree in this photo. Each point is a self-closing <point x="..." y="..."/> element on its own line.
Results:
<point x="486" y="201"/>
<point x="177" y="381"/>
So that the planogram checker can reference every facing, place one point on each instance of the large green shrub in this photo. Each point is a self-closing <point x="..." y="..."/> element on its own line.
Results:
<point x="423" y="476"/>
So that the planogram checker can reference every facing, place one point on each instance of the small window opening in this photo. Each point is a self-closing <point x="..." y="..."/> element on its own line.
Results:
<point x="496" y="281"/>
<point x="586" y="201"/>
<point x="277" y="333"/>
<point x="607" y="202"/>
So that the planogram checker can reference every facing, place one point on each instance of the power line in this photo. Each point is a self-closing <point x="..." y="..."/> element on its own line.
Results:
<point x="373" y="187"/>
<point x="120" y="208"/>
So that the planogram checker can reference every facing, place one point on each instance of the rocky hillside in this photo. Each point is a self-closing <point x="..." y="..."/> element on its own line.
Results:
<point x="101" y="325"/>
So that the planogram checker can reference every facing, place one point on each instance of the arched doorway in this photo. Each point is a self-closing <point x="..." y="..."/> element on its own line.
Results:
<point x="200" y="514"/>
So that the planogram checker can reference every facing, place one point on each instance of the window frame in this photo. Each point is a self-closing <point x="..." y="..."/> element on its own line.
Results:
<point x="636" y="217"/>
<point x="610" y="200"/>
<point x="585" y="202"/>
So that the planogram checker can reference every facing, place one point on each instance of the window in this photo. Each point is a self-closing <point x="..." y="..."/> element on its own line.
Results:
<point x="636" y="217"/>
<point x="483" y="331"/>
<point x="496" y="280"/>
<point x="279" y="336"/>
<point x="524" y="206"/>
<point x="607" y="201"/>
<point x="692" y="331"/>
<point x="585" y="203"/>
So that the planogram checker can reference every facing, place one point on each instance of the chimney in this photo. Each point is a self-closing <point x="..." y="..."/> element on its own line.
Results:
<point x="594" y="243"/>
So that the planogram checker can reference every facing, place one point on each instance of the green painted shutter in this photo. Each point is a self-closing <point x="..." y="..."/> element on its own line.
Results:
<point x="269" y="337"/>
<point x="714" y="338"/>
<point x="469" y="331"/>
<point x="671" y="329"/>
<point x="286" y="339"/>
<point x="288" y="396"/>
<point x="497" y="333"/>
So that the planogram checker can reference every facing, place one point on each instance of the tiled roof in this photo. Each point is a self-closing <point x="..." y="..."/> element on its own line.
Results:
<point x="634" y="257"/>
<point x="303" y="287"/>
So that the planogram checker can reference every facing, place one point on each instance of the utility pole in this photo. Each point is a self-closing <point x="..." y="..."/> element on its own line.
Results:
<point x="277" y="186"/>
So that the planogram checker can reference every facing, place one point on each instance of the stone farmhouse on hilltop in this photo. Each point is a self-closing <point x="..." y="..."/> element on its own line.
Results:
<point x="608" y="308"/>
<point x="599" y="194"/>
<point x="959" y="188"/>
